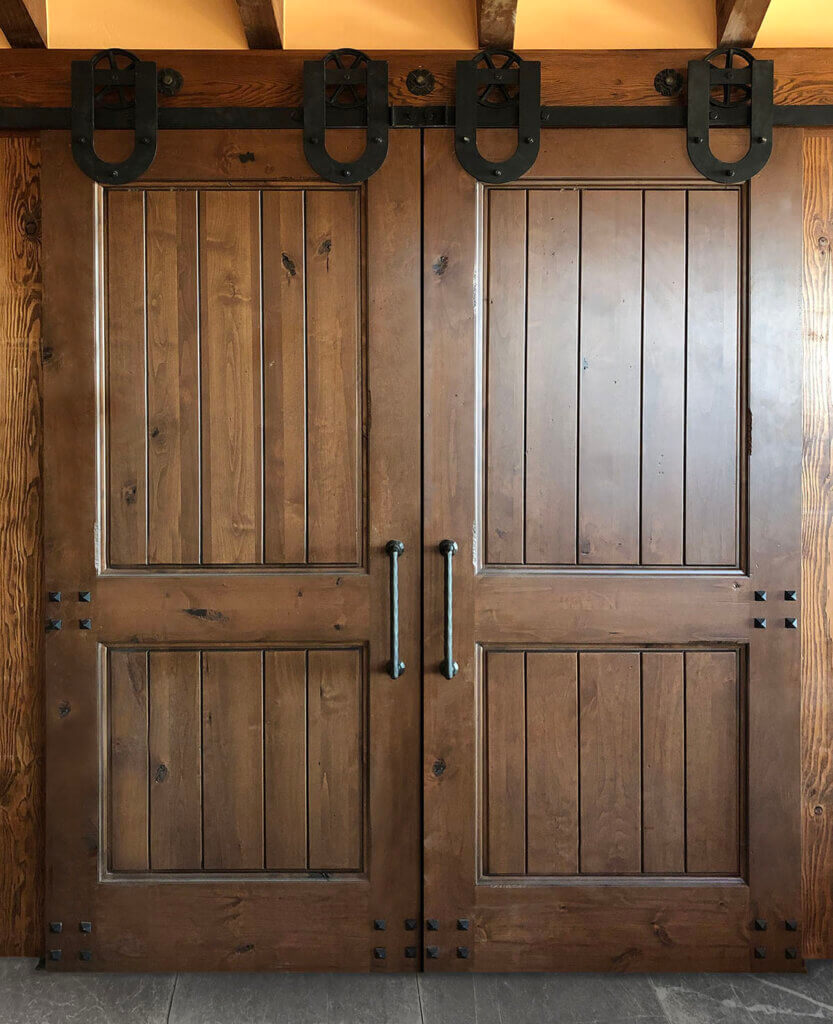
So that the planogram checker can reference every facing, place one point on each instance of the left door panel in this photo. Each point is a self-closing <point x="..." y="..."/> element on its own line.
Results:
<point x="232" y="773"/>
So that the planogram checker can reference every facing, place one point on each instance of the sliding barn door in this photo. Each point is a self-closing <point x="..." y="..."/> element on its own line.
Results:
<point x="233" y="775"/>
<point x="613" y="441"/>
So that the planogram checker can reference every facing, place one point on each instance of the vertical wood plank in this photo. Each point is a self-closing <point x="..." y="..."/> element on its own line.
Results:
<point x="21" y="554"/>
<point x="611" y="311"/>
<point x="663" y="763"/>
<point x="334" y="457"/>
<point x="284" y="370"/>
<point x="817" y="545"/>
<point x="232" y="725"/>
<point x="712" y="768"/>
<point x="336" y="743"/>
<point x="126" y="378"/>
<point x="609" y="769"/>
<point x="552" y="376"/>
<point x="712" y="375"/>
<point x="128" y="761"/>
<point x="285" y="751"/>
<point x="173" y="378"/>
<point x="175" y="755"/>
<point x="552" y="763"/>
<point x="505" y="763"/>
<point x="231" y="376"/>
<point x="505" y="376"/>
<point x="663" y="378"/>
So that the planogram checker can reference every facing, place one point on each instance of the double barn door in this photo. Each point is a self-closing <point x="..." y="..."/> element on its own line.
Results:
<point x="589" y="382"/>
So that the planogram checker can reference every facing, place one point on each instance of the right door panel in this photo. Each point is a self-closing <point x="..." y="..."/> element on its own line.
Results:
<point x="612" y="437"/>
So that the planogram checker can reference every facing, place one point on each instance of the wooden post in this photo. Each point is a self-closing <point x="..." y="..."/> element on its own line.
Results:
<point x="817" y="548"/>
<point x="21" y="561"/>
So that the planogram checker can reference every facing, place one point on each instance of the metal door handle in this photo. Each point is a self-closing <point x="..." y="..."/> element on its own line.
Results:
<point x="448" y="666"/>
<point x="395" y="667"/>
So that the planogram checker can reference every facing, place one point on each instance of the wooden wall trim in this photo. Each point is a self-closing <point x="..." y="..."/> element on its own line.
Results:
<point x="263" y="78"/>
<point x="817" y="546"/>
<point x="21" y="560"/>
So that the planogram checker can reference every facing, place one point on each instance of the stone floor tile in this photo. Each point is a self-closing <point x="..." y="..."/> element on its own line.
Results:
<point x="30" y="996"/>
<point x="295" y="999"/>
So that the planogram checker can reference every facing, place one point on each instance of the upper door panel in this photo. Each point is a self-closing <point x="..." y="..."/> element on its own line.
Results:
<point x="614" y="376"/>
<point x="234" y="389"/>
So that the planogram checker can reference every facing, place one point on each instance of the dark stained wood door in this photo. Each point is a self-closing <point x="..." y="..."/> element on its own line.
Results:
<point x="612" y="437"/>
<point x="232" y="411"/>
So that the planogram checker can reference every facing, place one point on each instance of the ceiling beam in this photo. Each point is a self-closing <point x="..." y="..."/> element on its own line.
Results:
<point x="738" y="21"/>
<point x="262" y="23"/>
<point x="496" y="23"/>
<point x="18" y="25"/>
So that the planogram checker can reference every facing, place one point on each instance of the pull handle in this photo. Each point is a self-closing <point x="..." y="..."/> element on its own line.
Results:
<point x="395" y="667"/>
<point x="448" y="666"/>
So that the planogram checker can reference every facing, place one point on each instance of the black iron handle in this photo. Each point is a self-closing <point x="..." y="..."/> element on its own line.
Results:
<point x="448" y="666"/>
<point x="395" y="667"/>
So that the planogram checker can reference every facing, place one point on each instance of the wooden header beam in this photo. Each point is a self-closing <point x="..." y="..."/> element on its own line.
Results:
<point x="739" y="21"/>
<point x="262" y="23"/>
<point x="239" y="78"/>
<point x="18" y="25"/>
<point x="496" y="23"/>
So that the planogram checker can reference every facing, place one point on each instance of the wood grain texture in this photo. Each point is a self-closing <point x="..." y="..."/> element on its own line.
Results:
<point x="711" y="525"/>
<point x="506" y="763"/>
<point x="496" y="23"/>
<point x="663" y="763"/>
<point x="611" y="331"/>
<point x="173" y="375"/>
<point x="232" y="729"/>
<point x="506" y="377"/>
<point x="739" y="21"/>
<point x="21" y="555"/>
<point x="284" y="371"/>
<point x="817" y="550"/>
<point x="128" y="735"/>
<point x="262" y="22"/>
<point x="231" y="377"/>
<point x="663" y="377"/>
<point x="609" y="768"/>
<point x="552" y="762"/>
<point x="551" y="375"/>
<point x="19" y="27"/>
<point x="334" y="365"/>
<point x="126" y="374"/>
<point x="335" y="759"/>
<point x="254" y="79"/>
<point x="285" y="754"/>
<point x="713" y="767"/>
<point x="175" y="760"/>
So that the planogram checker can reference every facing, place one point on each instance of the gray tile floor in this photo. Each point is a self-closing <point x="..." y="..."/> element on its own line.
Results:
<point x="30" y="996"/>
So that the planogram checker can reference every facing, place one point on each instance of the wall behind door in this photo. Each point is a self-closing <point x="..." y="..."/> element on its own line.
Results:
<point x="21" y="585"/>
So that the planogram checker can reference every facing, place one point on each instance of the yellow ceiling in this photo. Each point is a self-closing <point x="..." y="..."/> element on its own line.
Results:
<point x="423" y="25"/>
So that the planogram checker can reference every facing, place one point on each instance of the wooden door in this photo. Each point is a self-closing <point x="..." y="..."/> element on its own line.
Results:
<point x="613" y="439"/>
<point x="233" y="776"/>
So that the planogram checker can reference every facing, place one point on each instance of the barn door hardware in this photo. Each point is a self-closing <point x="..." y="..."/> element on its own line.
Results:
<point x="448" y="666"/>
<point x="396" y="666"/>
<point x="498" y="80"/>
<point x="346" y="80"/>
<point x="713" y="90"/>
<point x="114" y="80"/>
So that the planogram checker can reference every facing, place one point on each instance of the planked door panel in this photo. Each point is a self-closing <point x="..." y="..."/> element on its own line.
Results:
<point x="611" y="420"/>
<point x="235" y="782"/>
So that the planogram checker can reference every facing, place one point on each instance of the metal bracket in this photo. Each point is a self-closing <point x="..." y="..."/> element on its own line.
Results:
<point x="516" y="85"/>
<point x="747" y="86"/>
<point x="114" y="80"/>
<point x="346" y="80"/>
